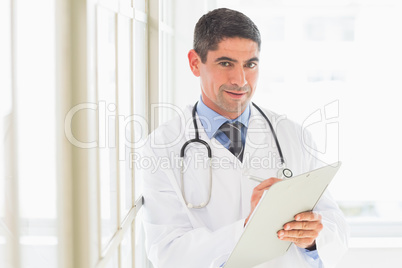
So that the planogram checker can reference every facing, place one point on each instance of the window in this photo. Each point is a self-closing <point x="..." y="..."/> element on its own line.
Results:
<point x="69" y="119"/>
<point x="28" y="133"/>
<point x="6" y="228"/>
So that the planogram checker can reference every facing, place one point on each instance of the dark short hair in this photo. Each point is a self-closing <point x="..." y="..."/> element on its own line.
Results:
<point x="219" y="24"/>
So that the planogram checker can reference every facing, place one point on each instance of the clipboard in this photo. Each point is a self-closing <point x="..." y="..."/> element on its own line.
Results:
<point x="278" y="205"/>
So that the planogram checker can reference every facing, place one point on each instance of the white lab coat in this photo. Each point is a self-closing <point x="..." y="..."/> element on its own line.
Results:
<point x="177" y="236"/>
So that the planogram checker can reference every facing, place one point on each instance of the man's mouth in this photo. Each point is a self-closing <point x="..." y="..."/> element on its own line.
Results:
<point x="236" y="94"/>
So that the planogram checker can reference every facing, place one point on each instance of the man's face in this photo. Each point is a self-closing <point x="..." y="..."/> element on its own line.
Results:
<point x="229" y="76"/>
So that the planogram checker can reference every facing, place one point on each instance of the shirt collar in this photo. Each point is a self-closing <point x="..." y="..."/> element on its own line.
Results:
<point x="212" y="121"/>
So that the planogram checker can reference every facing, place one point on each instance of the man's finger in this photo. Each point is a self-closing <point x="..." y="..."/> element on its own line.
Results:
<point x="298" y="234"/>
<point x="308" y="216"/>
<point x="267" y="183"/>
<point x="303" y="225"/>
<point x="300" y="242"/>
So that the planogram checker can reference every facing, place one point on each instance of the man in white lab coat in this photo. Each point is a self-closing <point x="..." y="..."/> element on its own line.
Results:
<point x="226" y="58"/>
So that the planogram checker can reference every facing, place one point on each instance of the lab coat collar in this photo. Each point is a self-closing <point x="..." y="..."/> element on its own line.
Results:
<point x="258" y="134"/>
<point x="212" y="121"/>
<point x="218" y="150"/>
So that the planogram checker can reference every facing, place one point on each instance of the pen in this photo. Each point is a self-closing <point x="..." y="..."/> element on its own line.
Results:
<point x="254" y="178"/>
<point x="257" y="179"/>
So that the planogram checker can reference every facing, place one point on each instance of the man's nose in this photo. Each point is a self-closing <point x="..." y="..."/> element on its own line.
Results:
<point x="238" y="77"/>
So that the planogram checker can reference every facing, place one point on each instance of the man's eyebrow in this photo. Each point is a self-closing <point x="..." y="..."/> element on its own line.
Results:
<point x="225" y="59"/>
<point x="233" y="60"/>
<point x="254" y="59"/>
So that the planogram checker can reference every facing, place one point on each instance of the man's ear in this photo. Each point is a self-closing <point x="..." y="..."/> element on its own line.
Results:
<point x="194" y="61"/>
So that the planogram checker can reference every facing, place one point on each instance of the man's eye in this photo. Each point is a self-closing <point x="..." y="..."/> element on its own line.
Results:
<point x="225" y="63"/>
<point x="251" y="65"/>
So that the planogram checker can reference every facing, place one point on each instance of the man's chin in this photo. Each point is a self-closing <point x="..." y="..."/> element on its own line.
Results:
<point x="236" y="107"/>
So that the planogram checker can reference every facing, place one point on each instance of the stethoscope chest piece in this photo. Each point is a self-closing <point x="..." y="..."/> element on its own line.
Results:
<point x="287" y="173"/>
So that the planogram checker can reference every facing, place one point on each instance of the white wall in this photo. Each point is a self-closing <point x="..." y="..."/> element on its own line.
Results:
<point x="187" y="88"/>
<point x="372" y="258"/>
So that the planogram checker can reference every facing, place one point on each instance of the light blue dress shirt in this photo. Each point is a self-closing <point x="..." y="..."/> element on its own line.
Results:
<point x="212" y="121"/>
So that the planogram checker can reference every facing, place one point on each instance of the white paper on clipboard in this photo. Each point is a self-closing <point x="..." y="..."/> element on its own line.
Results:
<point x="259" y="242"/>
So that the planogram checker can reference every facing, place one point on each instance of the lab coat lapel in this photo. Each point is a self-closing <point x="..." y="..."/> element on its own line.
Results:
<point x="258" y="137"/>
<point x="258" y="133"/>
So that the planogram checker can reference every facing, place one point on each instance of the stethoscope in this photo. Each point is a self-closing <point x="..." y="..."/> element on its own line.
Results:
<point x="282" y="172"/>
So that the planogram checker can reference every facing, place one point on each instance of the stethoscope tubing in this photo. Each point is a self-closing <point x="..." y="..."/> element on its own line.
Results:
<point x="285" y="172"/>
<point x="273" y="133"/>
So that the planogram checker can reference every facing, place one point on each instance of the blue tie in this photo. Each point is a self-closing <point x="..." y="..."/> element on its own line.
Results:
<point x="233" y="132"/>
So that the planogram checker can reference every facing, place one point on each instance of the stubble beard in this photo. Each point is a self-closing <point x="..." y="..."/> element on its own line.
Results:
<point x="232" y="105"/>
